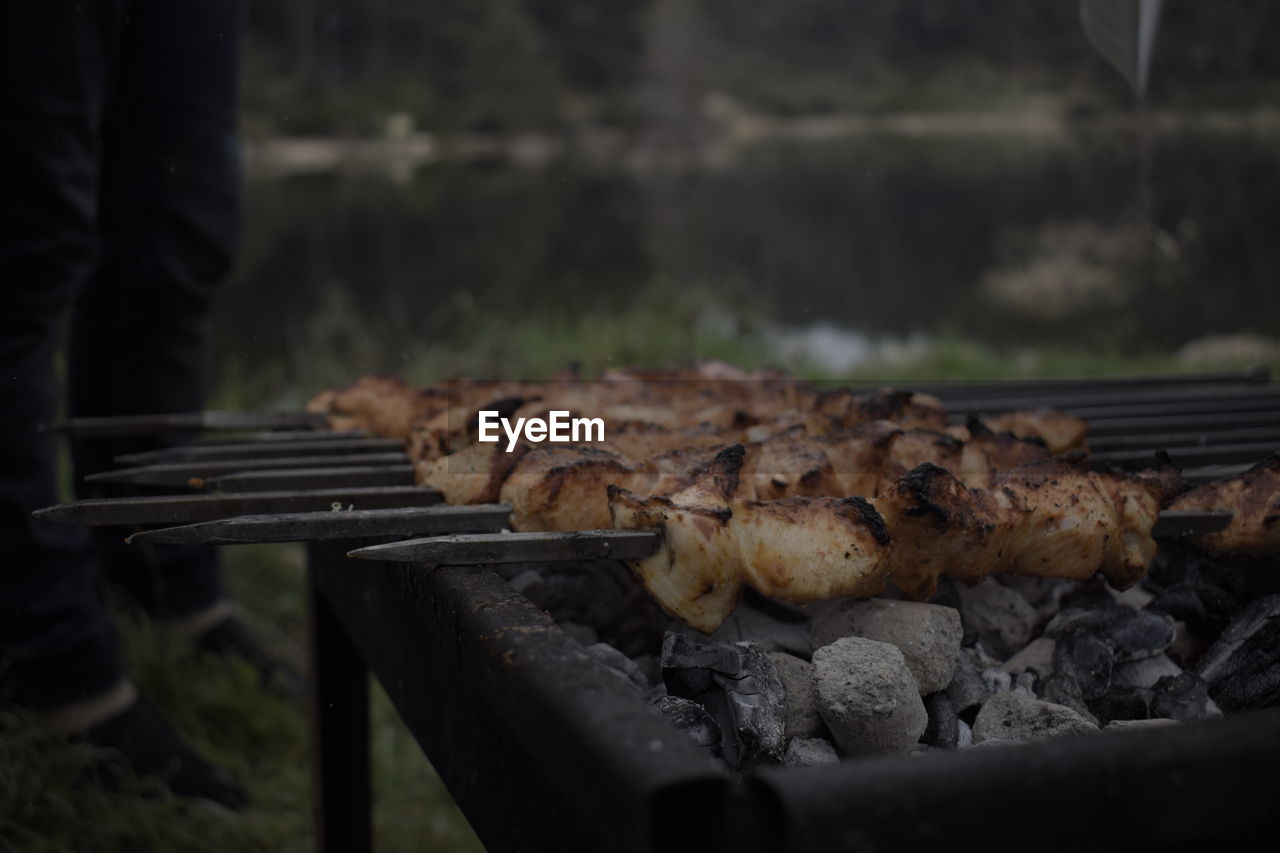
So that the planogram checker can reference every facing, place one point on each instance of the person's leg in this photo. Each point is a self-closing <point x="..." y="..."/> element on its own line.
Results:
<point x="54" y="627"/>
<point x="170" y="213"/>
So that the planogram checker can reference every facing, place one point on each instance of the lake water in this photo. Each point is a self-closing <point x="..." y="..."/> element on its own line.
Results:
<point x="827" y="253"/>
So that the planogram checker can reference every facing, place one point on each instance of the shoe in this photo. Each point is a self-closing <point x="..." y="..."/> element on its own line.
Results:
<point x="151" y="746"/>
<point x="230" y="637"/>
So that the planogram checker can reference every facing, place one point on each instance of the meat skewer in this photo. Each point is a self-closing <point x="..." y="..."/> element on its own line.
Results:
<point x="1254" y="499"/>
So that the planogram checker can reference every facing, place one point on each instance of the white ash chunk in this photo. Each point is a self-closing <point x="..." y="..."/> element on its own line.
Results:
<point x="928" y="635"/>
<point x="1036" y="656"/>
<point x="997" y="616"/>
<point x="1016" y="715"/>
<point x="809" y="752"/>
<point x="803" y="719"/>
<point x="868" y="697"/>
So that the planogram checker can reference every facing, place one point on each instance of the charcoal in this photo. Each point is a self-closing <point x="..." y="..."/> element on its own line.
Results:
<point x="1036" y="656"/>
<point x="1135" y="597"/>
<point x="1131" y="634"/>
<point x="1088" y="660"/>
<point x="1183" y="697"/>
<point x="1145" y="672"/>
<point x="774" y="626"/>
<point x="996" y="680"/>
<point x="1176" y="564"/>
<point x="964" y="733"/>
<point x="1026" y="683"/>
<point x="1204" y="607"/>
<point x="943" y="728"/>
<point x="868" y="697"/>
<point x="1037" y="591"/>
<point x="997" y="616"/>
<point x="620" y="664"/>
<point x="638" y="625"/>
<point x="1086" y="595"/>
<point x="692" y="719"/>
<point x="810" y="752"/>
<point x="585" y="635"/>
<point x="529" y="584"/>
<point x="1062" y="689"/>
<point x="1155" y="723"/>
<point x="1121" y="703"/>
<point x="803" y="720"/>
<point x="1017" y="716"/>
<point x="741" y="689"/>
<point x="1242" y="669"/>
<point x="928" y="635"/>
<point x="967" y="690"/>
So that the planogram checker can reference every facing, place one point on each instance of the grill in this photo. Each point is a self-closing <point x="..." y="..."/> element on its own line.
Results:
<point x="545" y="749"/>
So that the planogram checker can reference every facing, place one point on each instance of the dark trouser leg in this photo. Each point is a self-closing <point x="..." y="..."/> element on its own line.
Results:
<point x="54" y="61"/>
<point x="170" y="225"/>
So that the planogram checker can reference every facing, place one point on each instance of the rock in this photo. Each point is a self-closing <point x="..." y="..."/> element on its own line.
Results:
<point x="996" y="680"/>
<point x="809" y="752"/>
<point x="1016" y="716"/>
<point x="964" y="735"/>
<point x="1183" y="697"/>
<point x="1130" y="634"/>
<point x="584" y="635"/>
<point x="928" y="635"/>
<point x="1061" y="689"/>
<point x="1036" y="656"/>
<point x="1088" y="660"/>
<point x="803" y="720"/>
<point x="773" y="625"/>
<point x="996" y="615"/>
<point x="1145" y="672"/>
<point x="741" y="689"/>
<point x="967" y="689"/>
<point x="943" y="728"/>
<point x="868" y="697"/>
<point x="1121" y="703"/>
<point x="1242" y="669"/>
<point x="1154" y="723"/>
<point x="624" y="666"/>
<point x="692" y="719"/>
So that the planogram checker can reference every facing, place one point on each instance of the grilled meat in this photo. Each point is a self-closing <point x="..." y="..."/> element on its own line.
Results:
<point x="695" y="574"/>
<point x="1051" y="518"/>
<point x="1254" y="498"/>
<point x="1059" y="431"/>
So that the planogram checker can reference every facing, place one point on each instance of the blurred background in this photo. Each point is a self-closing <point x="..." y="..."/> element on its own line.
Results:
<point x="879" y="188"/>
<point x="918" y="189"/>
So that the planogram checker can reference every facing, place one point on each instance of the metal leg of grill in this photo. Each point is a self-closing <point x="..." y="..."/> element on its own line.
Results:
<point x="339" y="721"/>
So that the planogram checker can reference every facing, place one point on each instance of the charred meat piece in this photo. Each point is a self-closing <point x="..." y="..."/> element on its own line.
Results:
<point x="1254" y="498"/>
<point x="1059" y="431"/>
<point x="811" y="549"/>
<point x="695" y="575"/>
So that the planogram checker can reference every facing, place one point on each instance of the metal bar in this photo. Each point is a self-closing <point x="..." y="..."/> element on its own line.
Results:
<point x="542" y="747"/>
<point x="1188" y="457"/>
<point x="1073" y="402"/>
<point x="1193" y="438"/>
<point x="247" y="450"/>
<point x="182" y="473"/>
<point x="190" y="422"/>
<point x="1021" y="387"/>
<point x="1173" y="523"/>
<point x="180" y="509"/>
<point x="315" y="478"/>
<point x="1268" y="405"/>
<point x="489" y="548"/>
<point x="1209" y="473"/>
<point x="340" y="777"/>
<point x="942" y="802"/>
<point x="284" y="435"/>
<point x="325" y="525"/>
<point x="1146" y="424"/>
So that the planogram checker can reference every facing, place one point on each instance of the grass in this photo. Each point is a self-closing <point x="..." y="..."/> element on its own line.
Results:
<point x="50" y="799"/>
